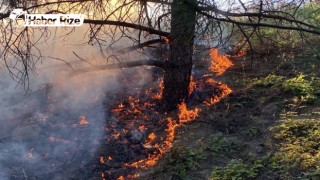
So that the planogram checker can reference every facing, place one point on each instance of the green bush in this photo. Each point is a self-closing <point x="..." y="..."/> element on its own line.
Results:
<point x="306" y="90"/>
<point x="299" y="86"/>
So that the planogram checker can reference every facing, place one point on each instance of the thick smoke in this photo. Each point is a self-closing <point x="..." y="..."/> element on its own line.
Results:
<point x="55" y="128"/>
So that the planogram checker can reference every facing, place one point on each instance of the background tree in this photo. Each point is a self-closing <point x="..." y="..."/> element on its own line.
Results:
<point x="178" y="22"/>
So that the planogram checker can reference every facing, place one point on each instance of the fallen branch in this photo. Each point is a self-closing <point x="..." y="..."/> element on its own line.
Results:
<point x="121" y="65"/>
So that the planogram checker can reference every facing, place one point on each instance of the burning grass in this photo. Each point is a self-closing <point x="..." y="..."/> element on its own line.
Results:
<point x="220" y="62"/>
<point x="145" y="132"/>
<point x="137" y="133"/>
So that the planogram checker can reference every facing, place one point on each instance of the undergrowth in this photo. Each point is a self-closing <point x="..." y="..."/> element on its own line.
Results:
<point x="306" y="89"/>
<point x="298" y="144"/>
<point x="238" y="170"/>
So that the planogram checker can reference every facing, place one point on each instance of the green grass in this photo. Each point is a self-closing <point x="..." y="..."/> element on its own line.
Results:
<point x="181" y="161"/>
<point x="237" y="170"/>
<point x="307" y="89"/>
<point x="298" y="144"/>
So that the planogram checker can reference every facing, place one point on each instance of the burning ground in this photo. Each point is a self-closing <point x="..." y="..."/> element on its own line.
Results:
<point x="142" y="133"/>
<point x="108" y="134"/>
<point x="120" y="131"/>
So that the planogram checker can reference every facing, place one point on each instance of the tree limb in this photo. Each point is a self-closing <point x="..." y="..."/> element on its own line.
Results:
<point x="129" y="64"/>
<point x="129" y="25"/>
<point x="259" y="24"/>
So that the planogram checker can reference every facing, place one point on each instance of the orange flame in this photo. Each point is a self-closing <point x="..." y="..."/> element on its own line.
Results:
<point x="220" y="63"/>
<point x="120" y="178"/>
<point x="121" y="106"/>
<point x="152" y="136"/>
<point x="101" y="159"/>
<point x="166" y="40"/>
<point x="103" y="176"/>
<point x="83" y="120"/>
<point x="116" y="135"/>
<point x="152" y="159"/>
<point x="224" y="92"/>
<point x="240" y="53"/>
<point x="186" y="115"/>
<point x="136" y="175"/>
<point x="142" y="127"/>
<point x="192" y="85"/>
<point x="158" y="96"/>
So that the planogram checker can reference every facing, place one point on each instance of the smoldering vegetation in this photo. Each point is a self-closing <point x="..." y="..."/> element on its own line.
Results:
<point x="53" y="130"/>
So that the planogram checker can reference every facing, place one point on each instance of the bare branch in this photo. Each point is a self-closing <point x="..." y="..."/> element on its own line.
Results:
<point x="260" y="24"/>
<point x="129" y="64"/>
<point x="129" y="25"/>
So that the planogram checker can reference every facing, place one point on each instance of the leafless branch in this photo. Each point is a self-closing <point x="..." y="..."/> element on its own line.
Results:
<point x="129" y="25"/>
<point x="121" y="65"/>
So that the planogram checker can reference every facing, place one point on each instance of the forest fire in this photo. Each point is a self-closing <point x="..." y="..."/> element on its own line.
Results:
<point x="137" y="80"/>
<point x="149" y="131"/>
<point x="136" y="132"/>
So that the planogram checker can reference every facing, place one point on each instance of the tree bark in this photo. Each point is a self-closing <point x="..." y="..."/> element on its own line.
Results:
<point x="177" y="77"/>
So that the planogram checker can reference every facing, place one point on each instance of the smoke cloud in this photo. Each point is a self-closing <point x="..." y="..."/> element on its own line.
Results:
<point x="56" y="128"/>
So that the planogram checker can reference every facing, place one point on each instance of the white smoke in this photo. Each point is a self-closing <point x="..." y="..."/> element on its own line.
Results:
<point x="41" y="133"/>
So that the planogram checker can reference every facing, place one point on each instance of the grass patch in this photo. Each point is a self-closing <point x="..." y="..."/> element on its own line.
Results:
<point x="220" y="146"/>
<point x="237" y="170"/>
<point x="182" y="161"/>
<point x="298" y="142"/>
<point x="306" y="89"/>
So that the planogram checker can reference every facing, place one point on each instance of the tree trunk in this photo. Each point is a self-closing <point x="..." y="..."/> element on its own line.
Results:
<point x="177" y="77"/>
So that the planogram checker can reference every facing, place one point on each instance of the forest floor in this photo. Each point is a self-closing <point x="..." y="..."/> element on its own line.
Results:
<point x="267" y="128"/>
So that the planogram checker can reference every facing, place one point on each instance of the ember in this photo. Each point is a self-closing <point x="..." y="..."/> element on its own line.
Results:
<point x="101" y="159"/>
<point x="152" y="136"/>
<point x="30" y="155"/>
<point x="192" y="85"/>
<point x="158" y="95"/>
<point x="83" y="120"/>
<point x="102" y="176"/>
